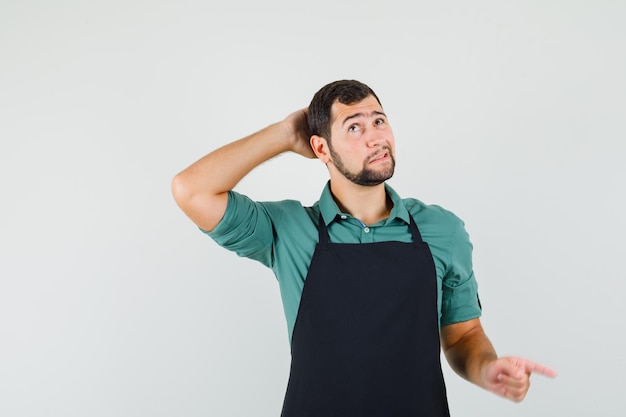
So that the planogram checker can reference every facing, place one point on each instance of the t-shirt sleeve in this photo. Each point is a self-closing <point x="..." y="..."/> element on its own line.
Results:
<point x="245" y="229"/>
<point x="460" y="290"/>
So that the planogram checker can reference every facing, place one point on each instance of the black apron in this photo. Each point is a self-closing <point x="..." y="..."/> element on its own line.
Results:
<point x="366" y="338"/>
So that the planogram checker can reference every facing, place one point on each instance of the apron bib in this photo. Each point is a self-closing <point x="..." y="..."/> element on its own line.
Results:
<point x="366" y="338"/>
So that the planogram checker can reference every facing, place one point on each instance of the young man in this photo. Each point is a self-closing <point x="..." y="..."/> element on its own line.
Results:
<point x="373" y="285"/>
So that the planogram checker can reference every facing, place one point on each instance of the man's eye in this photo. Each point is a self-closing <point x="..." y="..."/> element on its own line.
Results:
<point x="379" y="121"/>
<point x="353" y="128"/>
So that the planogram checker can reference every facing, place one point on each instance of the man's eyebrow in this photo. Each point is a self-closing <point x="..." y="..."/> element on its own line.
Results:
<point x="357" y="115"/>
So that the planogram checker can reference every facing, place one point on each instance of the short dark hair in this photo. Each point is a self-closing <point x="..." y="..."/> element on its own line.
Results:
<point x="343" y="91"/>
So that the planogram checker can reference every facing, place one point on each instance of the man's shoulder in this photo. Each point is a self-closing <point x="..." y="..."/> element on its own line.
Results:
<point x="431" y="213"/>
<point x="289" y="206"/>
<point x="287" y="214"/>
<point x="290" y="210"/>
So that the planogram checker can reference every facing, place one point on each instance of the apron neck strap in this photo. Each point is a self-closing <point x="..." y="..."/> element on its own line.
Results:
<point x="323" y="232"/>
<point x="415" y="231"/>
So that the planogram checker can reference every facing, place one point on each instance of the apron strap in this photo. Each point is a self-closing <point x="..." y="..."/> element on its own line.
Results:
<point x="323" y="232"/>
<point x="415" y="231"/>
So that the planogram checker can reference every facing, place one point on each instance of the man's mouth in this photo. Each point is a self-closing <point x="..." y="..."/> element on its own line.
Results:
<point x="380" y="156"/>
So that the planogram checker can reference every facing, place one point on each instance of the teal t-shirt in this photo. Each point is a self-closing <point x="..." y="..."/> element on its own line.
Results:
<point x="282" y="236"/>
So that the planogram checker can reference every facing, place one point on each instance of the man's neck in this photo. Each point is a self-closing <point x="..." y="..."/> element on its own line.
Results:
<point x="369" y="204"/>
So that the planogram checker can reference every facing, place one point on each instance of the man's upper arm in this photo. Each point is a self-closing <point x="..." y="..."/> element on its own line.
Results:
<point x="203" y="208"/>
<point x="246" y="229"/>
<point x="460" y="290"/>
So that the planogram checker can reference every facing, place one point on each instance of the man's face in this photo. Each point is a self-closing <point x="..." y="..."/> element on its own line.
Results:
<point x="362" y="143"/>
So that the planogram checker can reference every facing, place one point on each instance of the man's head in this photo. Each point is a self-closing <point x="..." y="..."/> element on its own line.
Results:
<point x="320" y="109"/>
<point x="362" y="145"/>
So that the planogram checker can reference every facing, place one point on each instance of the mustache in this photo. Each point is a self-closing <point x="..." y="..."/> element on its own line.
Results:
<point x="378" y="153"/>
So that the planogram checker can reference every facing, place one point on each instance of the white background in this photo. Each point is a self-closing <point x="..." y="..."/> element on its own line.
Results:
<point x="509" y="113"/>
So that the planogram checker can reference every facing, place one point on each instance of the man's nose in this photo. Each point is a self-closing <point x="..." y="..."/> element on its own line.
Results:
<point x="375" y="138"/>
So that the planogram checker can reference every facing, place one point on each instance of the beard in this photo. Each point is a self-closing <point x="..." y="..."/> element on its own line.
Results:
<point x="366" y="176"/>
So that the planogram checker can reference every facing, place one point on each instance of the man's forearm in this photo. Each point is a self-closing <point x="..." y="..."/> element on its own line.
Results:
<point x="201" y="189"/>
<point x="467" y="348"/>
<point x="222" y="169"/>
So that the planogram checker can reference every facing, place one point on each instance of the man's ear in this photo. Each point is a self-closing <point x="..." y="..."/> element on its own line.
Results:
<point x="320" y="147"/>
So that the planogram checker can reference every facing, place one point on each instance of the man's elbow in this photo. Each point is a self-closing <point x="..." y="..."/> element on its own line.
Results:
<point x="203" y="207"/>
<point x="181" y="191"/>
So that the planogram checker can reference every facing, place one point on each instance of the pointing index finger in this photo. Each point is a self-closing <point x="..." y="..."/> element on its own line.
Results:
<point x="533" y="367"/>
